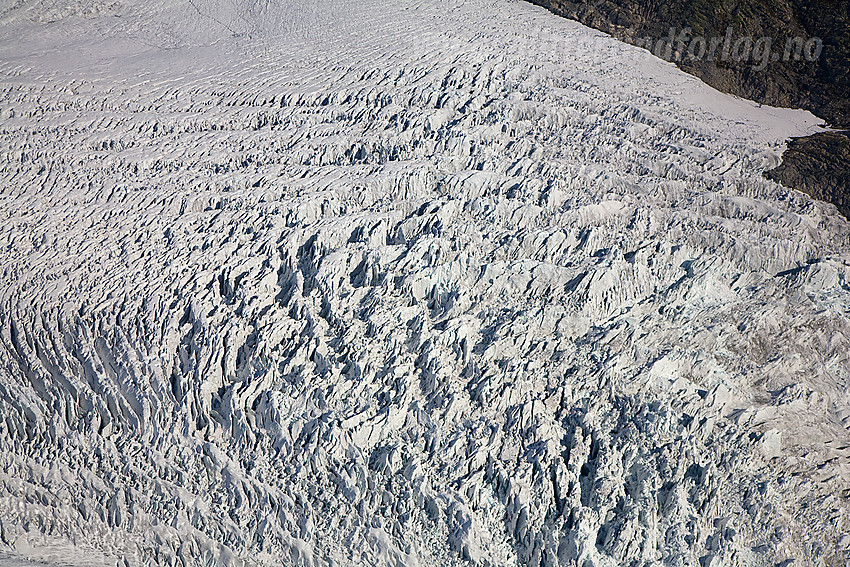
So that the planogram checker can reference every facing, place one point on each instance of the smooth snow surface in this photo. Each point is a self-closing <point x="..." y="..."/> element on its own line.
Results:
<point x="404" y="283"/>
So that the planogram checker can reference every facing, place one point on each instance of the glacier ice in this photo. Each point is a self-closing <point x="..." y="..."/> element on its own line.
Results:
<point x="404" y="283"/>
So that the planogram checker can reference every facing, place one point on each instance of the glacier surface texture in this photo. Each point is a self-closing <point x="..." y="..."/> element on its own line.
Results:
<point x="407" y="283"/>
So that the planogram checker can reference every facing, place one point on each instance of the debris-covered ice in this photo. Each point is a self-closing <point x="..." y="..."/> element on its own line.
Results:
<point x="404" y="283"/>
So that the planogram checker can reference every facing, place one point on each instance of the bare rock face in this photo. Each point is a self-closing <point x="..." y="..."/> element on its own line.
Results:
<point x="821" y="85"/>
<point x="818" y="167"/>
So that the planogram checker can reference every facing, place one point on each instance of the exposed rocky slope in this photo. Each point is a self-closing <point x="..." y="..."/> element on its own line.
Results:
<point x="822" y="86"/>
<point x="820" y="166"/>
<point x="402" y="284"/>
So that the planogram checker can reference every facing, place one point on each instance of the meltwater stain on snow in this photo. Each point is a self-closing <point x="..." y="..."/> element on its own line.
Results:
<point x="436" y="283"/>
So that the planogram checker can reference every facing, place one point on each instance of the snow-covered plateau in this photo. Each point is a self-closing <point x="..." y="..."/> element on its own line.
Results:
<point x="404" y="282"/>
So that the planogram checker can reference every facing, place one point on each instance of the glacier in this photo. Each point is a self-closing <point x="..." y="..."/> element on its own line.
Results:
<point x="404" y="283"/>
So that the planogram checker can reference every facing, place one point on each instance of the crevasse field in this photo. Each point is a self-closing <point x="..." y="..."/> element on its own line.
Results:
<point x="420" y="283"/>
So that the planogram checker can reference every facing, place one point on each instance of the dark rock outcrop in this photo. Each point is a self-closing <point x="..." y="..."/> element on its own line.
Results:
<point x="783" y="75"/>
<point x="819" y="166"/>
